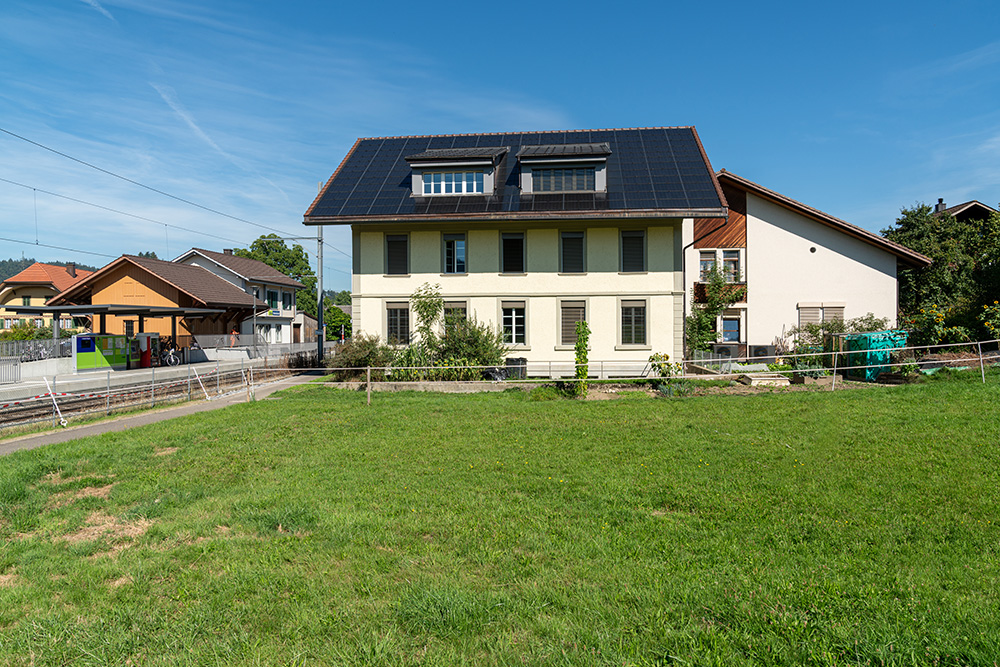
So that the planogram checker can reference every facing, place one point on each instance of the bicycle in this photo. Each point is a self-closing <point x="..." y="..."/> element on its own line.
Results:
<point x="168" y="358"/>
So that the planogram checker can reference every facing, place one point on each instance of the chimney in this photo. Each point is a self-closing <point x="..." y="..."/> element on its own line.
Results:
<point x="227" y="251"/>
<point x="71" y="269"/>
<point x="940" y="206"/>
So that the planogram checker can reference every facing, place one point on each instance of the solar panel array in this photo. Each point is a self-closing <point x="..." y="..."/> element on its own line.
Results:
<point x="660" y="168"/>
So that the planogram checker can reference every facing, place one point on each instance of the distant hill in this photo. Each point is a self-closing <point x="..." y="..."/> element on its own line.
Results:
<point x="12" y="267"/>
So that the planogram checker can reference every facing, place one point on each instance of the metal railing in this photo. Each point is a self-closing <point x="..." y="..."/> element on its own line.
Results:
<point x="10" y="370"/>
<point x="36" y="349"/>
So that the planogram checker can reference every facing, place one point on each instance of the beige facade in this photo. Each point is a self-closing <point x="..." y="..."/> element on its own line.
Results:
<point x="545" y="291"/>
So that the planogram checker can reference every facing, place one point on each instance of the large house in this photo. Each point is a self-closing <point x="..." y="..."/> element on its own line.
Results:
<point x="535" y="231"/>
<point x="33" y="287"/>
<point x="276" y="324"/>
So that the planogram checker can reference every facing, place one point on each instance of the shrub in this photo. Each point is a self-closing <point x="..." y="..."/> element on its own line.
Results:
<point x="990" y="317"/>
<point x="363" y="350"/>
<point x="476" y="343"/>
<point x="582" y="354"/>
<point x="931" y="326"/>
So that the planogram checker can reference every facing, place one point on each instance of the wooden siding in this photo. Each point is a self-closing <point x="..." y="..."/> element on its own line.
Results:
<point x="132" y="286"/>
<point x="712" y="233"/>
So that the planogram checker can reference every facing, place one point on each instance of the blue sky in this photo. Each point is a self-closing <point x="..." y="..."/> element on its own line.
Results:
<point x="854" y="108"/>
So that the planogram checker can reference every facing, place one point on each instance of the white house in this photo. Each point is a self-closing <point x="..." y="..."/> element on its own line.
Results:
<point x="799" y="264"/>
<point x="276" y="323"/>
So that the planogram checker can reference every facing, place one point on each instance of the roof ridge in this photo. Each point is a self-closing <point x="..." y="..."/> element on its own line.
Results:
<point x="496" y="134"/>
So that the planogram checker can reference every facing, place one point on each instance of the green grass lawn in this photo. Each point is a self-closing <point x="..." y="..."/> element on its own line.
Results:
<point x="817" y="528"/>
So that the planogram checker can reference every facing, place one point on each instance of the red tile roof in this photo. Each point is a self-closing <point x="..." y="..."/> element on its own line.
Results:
<point x="47" y="274"/>
<point x="195" y="281"/>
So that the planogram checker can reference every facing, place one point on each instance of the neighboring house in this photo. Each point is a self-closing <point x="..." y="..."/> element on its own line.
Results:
<point x="528" y="231"/>
<point x="970" y="210"/>
<point x="276" y="324"/>
<point x="141" y="282"/>
<point x="33" y="287"/>
<point x="800" y="265"/>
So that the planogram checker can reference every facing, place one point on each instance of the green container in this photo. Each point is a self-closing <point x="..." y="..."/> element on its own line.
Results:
<point x="872" y="350"/>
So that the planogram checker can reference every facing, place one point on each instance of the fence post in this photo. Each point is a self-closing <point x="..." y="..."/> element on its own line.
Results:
<point x="833" y="385"/>
<point x="982" y="370"/>
<point x="218" y="384"/>
<point x="52" y="395"/>
<point x="152" y="386"/>
<point x="107" y="402"/>
<point x="368" y="383"/>
<point x="189" y="382"/>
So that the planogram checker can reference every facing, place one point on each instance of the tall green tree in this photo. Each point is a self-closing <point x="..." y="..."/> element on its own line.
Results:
<point x="292" y="261"/>
<point x="965" y="269"/>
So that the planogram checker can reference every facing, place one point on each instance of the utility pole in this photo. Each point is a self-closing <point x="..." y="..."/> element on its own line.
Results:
<point x="320" y="327"/>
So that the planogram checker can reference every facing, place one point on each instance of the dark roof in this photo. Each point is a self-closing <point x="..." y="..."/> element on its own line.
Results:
<point x="251" y="269"/>
<point x="195" y="281"/>
<point x="908" y="257"/>
<point x="969" y="210"/>
<point x="565" y="150"/>
<point x="651" y="172"/>
<point x="472" y="153"/>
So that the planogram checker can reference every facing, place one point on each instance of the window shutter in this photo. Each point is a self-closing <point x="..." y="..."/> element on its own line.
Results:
<point x="572" y="252"/>
<point x="633" y="322"/>
<point x="513" y="253"/>
<point x="512" y="304"/>
<point x="810" y="315"/>
<point x="633" y="251"/>
<point x="572" y="312"/>
<point x="396" y="254"/>
<point x="831" y="313"/>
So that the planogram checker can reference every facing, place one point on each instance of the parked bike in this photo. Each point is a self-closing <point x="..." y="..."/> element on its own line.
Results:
<point x="34" y="353"/>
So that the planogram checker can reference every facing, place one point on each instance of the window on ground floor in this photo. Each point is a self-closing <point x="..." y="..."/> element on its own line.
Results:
<point x="633" y="322"/>
<point x="397" y="323"/>
<point x="513" y="322"/>
<point x="571" y="312"/>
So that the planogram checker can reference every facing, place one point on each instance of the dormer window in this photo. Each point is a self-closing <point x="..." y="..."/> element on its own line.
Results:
<point x="451" y="172"/>
<point x="564" y="168"/>
<point x="453" y="182"/>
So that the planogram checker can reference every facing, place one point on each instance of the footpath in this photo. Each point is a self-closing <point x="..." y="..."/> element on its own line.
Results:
<point x="126" y="422"/>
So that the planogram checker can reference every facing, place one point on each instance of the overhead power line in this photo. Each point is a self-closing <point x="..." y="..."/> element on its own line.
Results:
<point x="57" y="247"/>
<point x="156" y="190"/>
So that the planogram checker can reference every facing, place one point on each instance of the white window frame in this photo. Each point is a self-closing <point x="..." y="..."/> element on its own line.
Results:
<point x="452" y="268"/>
<point x="426" y="176"/>
<point x="738" y="314"/>
<point x="719" y="259"/>
<point x="397" y="305"/>
<point x="510" y="304"/>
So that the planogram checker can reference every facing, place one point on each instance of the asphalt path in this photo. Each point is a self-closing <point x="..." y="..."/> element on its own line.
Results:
<point x="126" y="422"/>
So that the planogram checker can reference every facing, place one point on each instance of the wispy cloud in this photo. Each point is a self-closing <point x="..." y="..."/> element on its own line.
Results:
<point x="96" y="5"/>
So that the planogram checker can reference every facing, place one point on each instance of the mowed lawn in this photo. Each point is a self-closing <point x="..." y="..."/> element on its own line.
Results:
<point x="855" y="527"/>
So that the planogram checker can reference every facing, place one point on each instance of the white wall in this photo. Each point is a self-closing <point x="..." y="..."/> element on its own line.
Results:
<point x="783" y="270"/>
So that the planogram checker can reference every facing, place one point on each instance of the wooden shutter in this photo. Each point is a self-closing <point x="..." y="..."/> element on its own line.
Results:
<point x="513" y="253"/>
<point x="633" y="251"/>
<point x="810" y="315"/>
<point x="572" y="252"/>
<point x="572" y="312"/>
<point x="831" y="313"/>
<point x="396" y="254"/>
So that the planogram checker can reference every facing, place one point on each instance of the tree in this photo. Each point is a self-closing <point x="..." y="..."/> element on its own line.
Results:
<point x="334" y="318"/>
<point x="293" y="262"/>
<point x="147" y="255"/>
<point x="965" y="269"/>
<point x="342" y="298"/>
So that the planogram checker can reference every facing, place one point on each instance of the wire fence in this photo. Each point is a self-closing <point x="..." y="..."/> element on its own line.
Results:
<point x="76" y="396"/>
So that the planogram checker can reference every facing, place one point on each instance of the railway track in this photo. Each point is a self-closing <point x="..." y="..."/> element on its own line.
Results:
<point x="59" y="407"/>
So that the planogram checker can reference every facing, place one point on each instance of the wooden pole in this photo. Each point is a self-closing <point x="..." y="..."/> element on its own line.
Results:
<point x="368" y="383"/>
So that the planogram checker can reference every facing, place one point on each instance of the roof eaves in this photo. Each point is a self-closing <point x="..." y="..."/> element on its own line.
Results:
<point x="911" y="257"/>
<point x="522" y="216"/>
